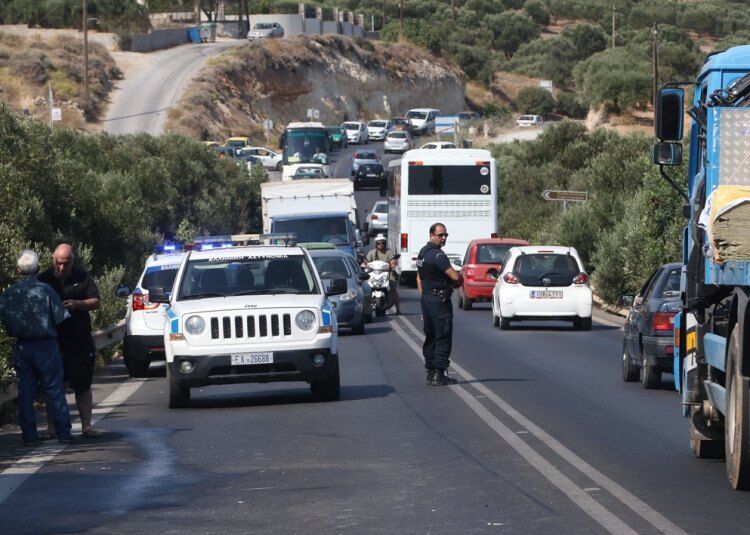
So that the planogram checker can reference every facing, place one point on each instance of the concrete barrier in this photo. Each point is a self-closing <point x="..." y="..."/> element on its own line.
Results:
<point x="331" y="26"/>
<point x="158" y="40"/>
<point x="313" y="26"/>
<point x="358" y="31"/>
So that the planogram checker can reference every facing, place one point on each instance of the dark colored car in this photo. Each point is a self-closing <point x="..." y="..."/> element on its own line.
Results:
<point x="481" y="265"/>
<point x="402" y="123"/>
<point x="338" y="136"/>
<point x="353" y="308"/>
<point x="648" y="347"/>
<point x="369" y="175"/>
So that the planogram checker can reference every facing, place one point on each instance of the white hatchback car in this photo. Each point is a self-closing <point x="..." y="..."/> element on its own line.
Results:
<point x="398" y="141"/>
<point x="542" y="283"/>
<point x="144" y="321"/>
<point x="530" y="120"/>
<point x="267" y="157"/>
<point x="356" y="132"/>
<point x="378" y="129"/>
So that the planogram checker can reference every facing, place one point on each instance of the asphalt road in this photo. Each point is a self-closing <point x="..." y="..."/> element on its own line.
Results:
<point x="539" y="436"/>
<point x="142" y="100"/>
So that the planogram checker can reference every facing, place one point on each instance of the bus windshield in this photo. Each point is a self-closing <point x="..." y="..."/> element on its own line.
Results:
<point x="306" y="146"/>
<point x="449" y="180"/>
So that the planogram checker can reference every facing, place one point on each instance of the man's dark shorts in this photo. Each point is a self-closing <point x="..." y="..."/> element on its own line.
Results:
<point x="78" y="364"/>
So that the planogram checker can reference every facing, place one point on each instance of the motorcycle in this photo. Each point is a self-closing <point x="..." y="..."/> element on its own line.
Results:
<point x="379" y="272"/>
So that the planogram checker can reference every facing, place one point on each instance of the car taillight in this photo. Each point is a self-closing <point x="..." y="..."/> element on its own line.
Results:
<point x="374" y="217"/>
<point x="669" y="350"/>
<point x="662" y="321"/>
<point x="468" y="270"/>
<point x="140" y="302"/>
<point x="510" y="278"/>
<point x="404" y="241"/>
<point x="581" y="278"/>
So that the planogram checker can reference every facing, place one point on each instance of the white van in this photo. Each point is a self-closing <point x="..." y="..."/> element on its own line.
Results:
<point x="423" y="120"/>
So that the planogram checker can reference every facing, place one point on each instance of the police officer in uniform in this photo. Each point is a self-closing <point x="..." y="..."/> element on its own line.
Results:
<point x="436" y="279"/>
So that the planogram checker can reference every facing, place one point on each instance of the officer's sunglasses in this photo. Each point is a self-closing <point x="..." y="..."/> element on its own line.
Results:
<point x="442" y="235"/>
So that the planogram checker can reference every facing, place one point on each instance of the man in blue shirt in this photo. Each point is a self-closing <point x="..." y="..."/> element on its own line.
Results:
<point x="30" y="311"/>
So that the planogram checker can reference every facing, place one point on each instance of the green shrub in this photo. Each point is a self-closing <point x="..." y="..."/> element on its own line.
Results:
<point x="569" y="105"/>
<point x="534" y="100"/>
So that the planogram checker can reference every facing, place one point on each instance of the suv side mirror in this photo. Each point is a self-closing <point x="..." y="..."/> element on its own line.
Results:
<point x="625" y="301"/>
<point x="335" y="287"/>
<point x="667" y="153"/>
<point x="156" y="295"/>
<point x="668" y="113"/>
<point x="123" y="291"/>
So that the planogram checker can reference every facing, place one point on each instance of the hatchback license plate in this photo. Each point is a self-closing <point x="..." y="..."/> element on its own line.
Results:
<point x="546" y="294"/>
<point x="241" y="359"/>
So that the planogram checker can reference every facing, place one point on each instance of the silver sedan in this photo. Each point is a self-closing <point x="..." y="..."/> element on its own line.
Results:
<point x="266" y="30"/>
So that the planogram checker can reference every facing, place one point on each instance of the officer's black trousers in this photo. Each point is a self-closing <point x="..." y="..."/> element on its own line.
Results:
<point x="438" y="330"/>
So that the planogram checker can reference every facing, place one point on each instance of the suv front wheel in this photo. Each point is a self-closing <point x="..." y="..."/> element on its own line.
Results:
<point x="328" y="389"/>
<point x="179" y="396"/>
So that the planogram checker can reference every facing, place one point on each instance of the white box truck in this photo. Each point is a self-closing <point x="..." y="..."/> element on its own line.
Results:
<point x="318" y="210"/>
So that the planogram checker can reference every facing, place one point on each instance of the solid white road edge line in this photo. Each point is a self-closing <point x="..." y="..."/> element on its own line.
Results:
<point x="643" y="510"/>
<point x="12" y="477"/>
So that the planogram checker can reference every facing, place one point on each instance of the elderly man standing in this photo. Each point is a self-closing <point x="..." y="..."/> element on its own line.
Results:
<point x="30" y="310"/>
<point x="79" y="295"/>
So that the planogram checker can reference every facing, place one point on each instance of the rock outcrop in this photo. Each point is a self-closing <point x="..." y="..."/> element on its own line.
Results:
<point x="343" y="78"/>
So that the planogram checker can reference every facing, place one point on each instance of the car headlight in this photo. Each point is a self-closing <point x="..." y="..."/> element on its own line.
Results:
<point x="305" y="320"/>
<point x="195" y="325"/>
<point x="348" y="296"/>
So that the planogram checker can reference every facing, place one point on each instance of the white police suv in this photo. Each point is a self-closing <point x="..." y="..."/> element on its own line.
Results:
<point x="144" y="321"/>
<point x="248" y="314"/>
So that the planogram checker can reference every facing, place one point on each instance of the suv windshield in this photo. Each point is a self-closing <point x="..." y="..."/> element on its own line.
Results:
<point x="247" y="275"/>
<point x="491" y="254"/>
<point x="161" y="276"/>
<point x="416" y="115"/>
<point x="546" y="269"/>
<point x="350" y="126"/>
<point x="331" y="267"/>
<point x="317" y="229"/>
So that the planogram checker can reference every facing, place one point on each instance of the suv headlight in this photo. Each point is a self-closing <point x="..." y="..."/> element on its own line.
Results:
<point x="348" y="296"/>
<point x="305" y="320"/>
<point x="195" y="325"/>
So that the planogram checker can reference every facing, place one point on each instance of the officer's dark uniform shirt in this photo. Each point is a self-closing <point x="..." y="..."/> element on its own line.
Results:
<point x="76" y="330"/>
<point x="432" y="263"/>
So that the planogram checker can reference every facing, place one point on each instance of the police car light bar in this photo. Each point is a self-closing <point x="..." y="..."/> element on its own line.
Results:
<point x="168" y="247"/>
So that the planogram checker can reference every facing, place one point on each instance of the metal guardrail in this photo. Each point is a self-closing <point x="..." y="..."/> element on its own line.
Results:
<point x="109" y="335"/>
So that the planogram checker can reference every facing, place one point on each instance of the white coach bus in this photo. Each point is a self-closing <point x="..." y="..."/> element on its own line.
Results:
<point x="456" y="187"/>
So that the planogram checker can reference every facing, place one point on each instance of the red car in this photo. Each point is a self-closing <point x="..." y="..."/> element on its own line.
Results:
<point x="481" y="265"/>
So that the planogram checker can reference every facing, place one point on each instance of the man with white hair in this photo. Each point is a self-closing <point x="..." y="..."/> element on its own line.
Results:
<point x="30" y="311"/>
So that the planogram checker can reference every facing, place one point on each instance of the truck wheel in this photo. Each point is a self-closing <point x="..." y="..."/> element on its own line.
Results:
<point x="737" y="421"/>
<point x="630" y="372"/>
<point x="328" y="389"/>
<point x="705" y="442"/>
<point x="179" y="396"/>
<point x="466" y="303"/>
<point x="495" y="321"/>
<point x="651" y="377"/>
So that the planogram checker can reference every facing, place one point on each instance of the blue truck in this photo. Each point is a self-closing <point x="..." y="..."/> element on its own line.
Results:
<point x="712" y="330"/>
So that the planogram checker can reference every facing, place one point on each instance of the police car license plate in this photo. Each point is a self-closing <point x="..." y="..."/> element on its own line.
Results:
<point x="546" y="294"/>
<point x="242" y="359"/>
<point x="371" y="176"/>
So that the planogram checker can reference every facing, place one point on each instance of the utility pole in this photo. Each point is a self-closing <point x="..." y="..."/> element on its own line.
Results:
<point x="613" y="25"/>
<point x="86" y="52"/>
<point x="50" y="103"/>
<point x="401" y="15"/>
<point x="655" y="60"/>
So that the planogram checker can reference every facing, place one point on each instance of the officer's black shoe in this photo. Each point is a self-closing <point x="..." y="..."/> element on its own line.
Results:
<point x="441" y="379"/>
<point x="430" y="376"/>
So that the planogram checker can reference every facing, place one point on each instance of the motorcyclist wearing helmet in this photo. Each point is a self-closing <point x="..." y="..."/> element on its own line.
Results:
<point x="386" y="255"/>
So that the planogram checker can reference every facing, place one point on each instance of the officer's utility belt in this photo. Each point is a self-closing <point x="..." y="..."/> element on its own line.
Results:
<point x="443" y="293"/>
